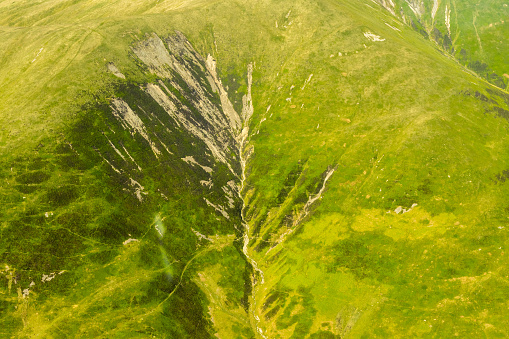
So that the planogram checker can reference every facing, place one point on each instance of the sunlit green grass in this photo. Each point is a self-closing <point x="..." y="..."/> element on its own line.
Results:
<point x="401" y="123"/>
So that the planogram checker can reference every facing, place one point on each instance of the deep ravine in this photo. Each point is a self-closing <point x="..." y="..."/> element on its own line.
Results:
<point x="245" y="151"/>
<point x="240" y="123"/>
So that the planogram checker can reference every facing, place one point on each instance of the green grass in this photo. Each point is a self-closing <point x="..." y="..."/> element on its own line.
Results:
<point x="477" y="31"/>
<point x="401" y="123"/>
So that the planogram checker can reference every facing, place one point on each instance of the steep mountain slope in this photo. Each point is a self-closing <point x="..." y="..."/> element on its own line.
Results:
<point x="239" y="169"/>
<point x="474" y="32"/>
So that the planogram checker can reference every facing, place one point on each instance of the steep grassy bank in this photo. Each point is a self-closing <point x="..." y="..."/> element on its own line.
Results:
<point x="120" y="177"/>
<point x="375" y="184"/>
<point x="411" y="227"/>
<point x="473" y="32"/>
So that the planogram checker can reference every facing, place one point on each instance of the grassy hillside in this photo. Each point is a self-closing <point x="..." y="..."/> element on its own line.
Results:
<point x="471" y="31"/>
<point x="373" y="195"/>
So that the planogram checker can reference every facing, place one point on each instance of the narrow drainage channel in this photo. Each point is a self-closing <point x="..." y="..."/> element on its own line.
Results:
<point x="258" y="277"/>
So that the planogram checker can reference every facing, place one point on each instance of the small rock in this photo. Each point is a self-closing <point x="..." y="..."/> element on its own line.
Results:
<point x="129" y="241"/>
